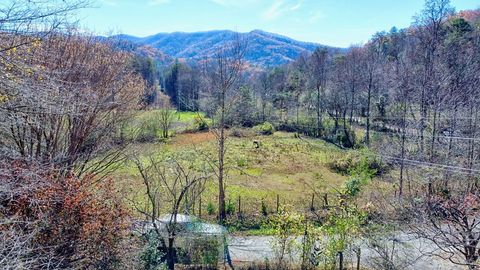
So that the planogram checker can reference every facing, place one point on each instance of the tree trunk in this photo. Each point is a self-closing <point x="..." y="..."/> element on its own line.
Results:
<point x="471" y="154"/>
<point x="359" y="253"/>
<point x="352" y="105"/>
<point x="263" y="111"/>
<point x="171" y="254"/>
<point x="319" y="115"/>
<point x="340" y="260"/>
<point x="297" y="110"/>
<point x="369" y="97"/>
<point x="221" y="160"/>
<point x="434" y="134"/>
<point x="402" y="155"/>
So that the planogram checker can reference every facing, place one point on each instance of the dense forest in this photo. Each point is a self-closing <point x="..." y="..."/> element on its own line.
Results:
<point x="105" y="149"/>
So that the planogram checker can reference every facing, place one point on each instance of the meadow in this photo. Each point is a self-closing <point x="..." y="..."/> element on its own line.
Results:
<point x="264" y="172"/>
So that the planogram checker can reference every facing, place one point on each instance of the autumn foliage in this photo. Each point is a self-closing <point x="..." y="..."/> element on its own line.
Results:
<point x="69" y="222"/>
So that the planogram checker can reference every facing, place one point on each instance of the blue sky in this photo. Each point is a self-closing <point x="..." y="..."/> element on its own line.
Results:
<point x="330" y="22"/>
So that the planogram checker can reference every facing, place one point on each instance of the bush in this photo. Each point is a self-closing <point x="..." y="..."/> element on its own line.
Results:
<point x="240" y="133"/>
<point x="361" y="163"/>
<point x="342" y="164"/>
<point x="230" y="207"/>
<point x="353" y="186"/>
<point x="242" y="162"/>
<point x="62" y="218"/>
<point x="202" y="251"/>
<point x="210" y="208"/>
<point x="338" y="135"/>
<point x="264" y="129"/>
<point x="151" y="255"/>
<point x="346" y="138"/>
<point x="264" y="209"/>
<point x="147" y="131"/>
<point x="285" y="225"/>
<point x="200" y="124"/>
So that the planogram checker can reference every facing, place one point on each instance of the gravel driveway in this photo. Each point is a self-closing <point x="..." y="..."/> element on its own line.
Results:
<point x="258" y="248"/>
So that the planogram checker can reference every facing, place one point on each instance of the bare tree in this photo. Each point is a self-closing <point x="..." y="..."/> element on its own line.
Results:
<point x="429" y="33"/>
<point x="169" y="185"/>
<point x="264" y="89"/>
<point x="319" y="64"/>
<point x="165" y="116"/>
<point x="65" y="103"/>
<point x="370" y="61"/>
<point x="222" y="72"/>
<point x="453" y="225"/>
<point x="25" y="21"/>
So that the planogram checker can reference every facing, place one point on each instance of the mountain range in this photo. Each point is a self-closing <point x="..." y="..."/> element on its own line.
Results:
<point x="264" y="49"/>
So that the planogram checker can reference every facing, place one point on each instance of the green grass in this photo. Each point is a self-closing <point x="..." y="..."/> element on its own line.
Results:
<point x="283" y="165"/>
<point x="144" y="124"/>
<point x="188" y="117"/>
<point x="180" y="117"/>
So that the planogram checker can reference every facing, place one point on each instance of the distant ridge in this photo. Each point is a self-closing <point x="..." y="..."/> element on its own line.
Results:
<point x="264" y="48"/>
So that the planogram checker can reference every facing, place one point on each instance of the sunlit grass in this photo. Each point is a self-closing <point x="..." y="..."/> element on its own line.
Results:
<point x="283" y="165"/>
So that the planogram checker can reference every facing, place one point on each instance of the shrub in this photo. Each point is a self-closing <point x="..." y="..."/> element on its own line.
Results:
<point x="200" y="124"/>
<point x="203" y="251"/>
<point x="337" y="134"/>
<point x="210" y="208"/>
<point x="147" y="131"/>
<point x="264" y="129"/>
<point x="240" y="133"/>
<point x="340" y="229"/>
<point x="245" y="224"/>
<point x="151" y="256"/>
<point x="62" y="218"/>
<point x="345" y="138"/>
<point x="343" y="163"/>
<point x="242" y="162"/>
<point x="264" y="209"/>
<point x="230" y="207"/>
<point x="357" y="163"/>
<point x="285" y="225"/>
<point x="353" y="186"/>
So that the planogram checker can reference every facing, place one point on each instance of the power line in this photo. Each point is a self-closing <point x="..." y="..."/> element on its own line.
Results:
<point x="420" y="163"/>
<point x="408" y="134"/>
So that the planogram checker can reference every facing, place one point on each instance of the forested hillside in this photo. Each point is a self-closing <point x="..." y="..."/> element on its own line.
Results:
<point x="264" y="49"/>
<point x="219" y="150"/>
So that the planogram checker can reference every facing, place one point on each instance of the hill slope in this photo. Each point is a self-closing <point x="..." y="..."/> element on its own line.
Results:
<point x="264" y="49"/>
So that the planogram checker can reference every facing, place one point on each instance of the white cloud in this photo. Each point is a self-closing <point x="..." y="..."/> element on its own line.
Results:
<point x="297" y="6"/>
<point x="158" y="2"/>
<point x="275" y="10"/>
<point x="279" y="7"/>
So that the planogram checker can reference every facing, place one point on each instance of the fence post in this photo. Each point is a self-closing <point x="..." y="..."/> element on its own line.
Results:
<point x="193" y="205"/>
<point x="312" y="207"/>
<point x="278" y="203"/>
<point x="340" y="260"/>
<point x="358" y="258"/>
<point x="200" y="207"/>
<point x="239" y="206"/>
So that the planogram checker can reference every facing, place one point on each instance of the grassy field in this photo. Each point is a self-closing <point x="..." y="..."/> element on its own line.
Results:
<point x="144" y="125"/>
<point x="283" y="165"/>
